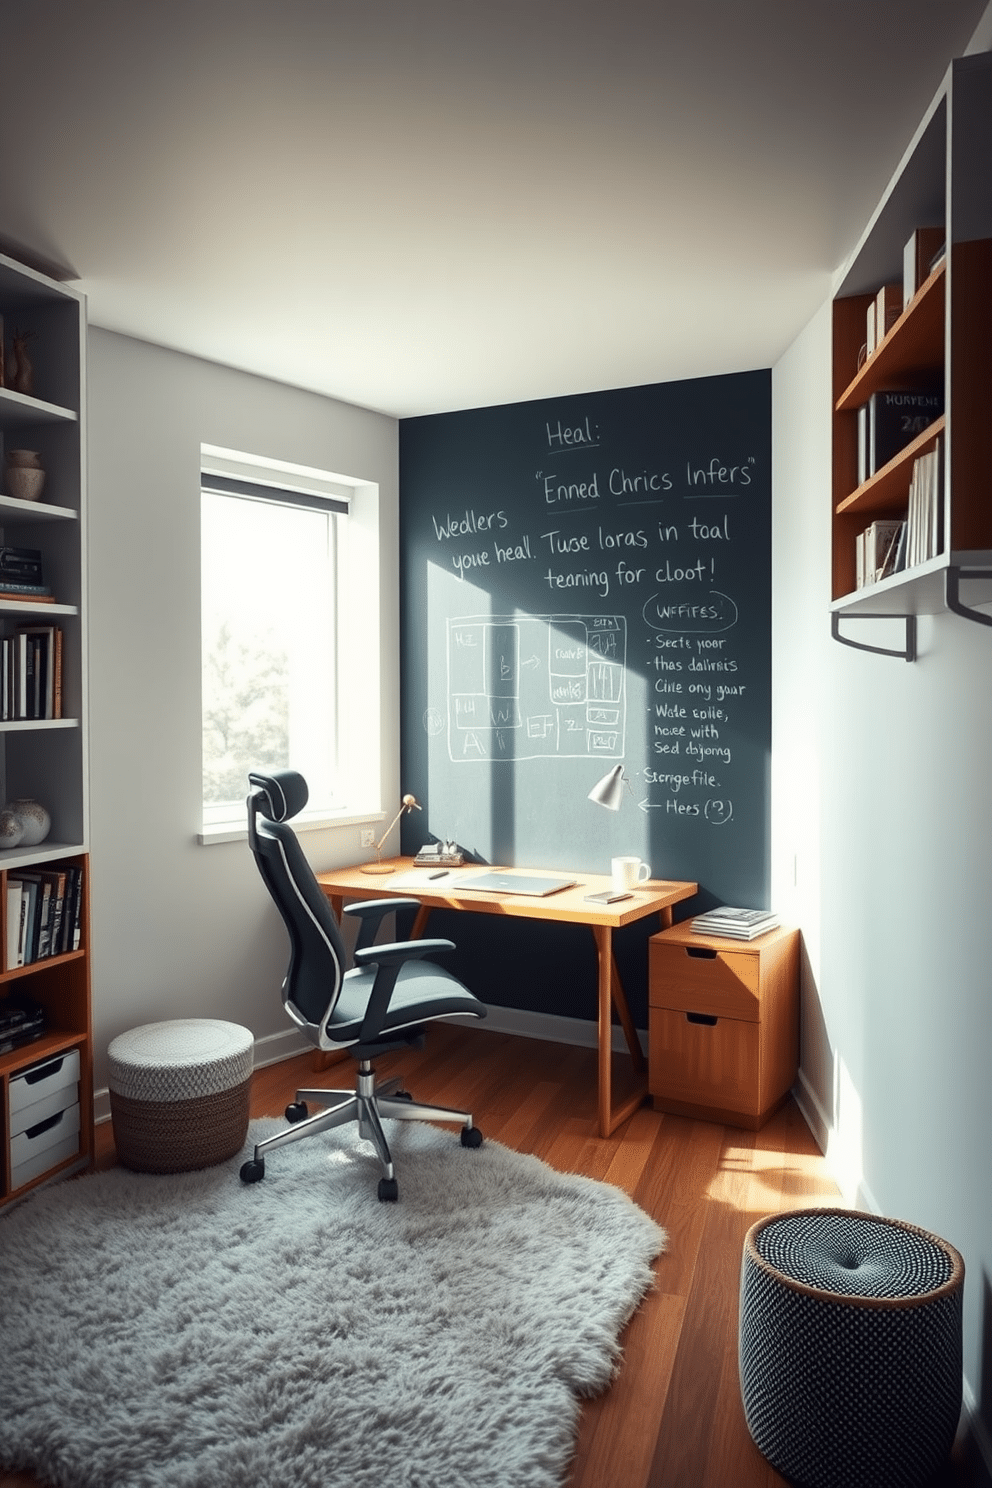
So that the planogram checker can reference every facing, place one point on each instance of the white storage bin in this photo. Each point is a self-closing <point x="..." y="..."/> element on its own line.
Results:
<point x="37" y="1084"/>
<point x="44" y="1146"/>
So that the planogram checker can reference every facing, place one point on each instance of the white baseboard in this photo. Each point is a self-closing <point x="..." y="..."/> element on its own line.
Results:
<point x="812" y="1111"/>
<point x="822" y="1127"/>
<point x="275" y="1047"/>
<point x="579" y="1032"/>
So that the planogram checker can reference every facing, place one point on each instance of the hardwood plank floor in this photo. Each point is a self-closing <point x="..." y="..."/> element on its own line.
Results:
<point x="673" y="1416"/>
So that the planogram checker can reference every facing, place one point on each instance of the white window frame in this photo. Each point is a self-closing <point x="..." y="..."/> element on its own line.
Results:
<point x="357" y="639"/>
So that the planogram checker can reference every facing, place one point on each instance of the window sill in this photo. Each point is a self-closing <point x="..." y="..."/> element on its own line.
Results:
<point x="315" y="822"/>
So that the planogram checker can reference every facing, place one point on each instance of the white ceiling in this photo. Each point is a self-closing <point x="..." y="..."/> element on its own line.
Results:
<point x="422" y="205"/>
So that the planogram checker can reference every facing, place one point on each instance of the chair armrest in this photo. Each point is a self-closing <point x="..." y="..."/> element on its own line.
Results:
<point x="397" y="952"/>
<point x="372" y="912"/>
<point x="371" y="908"/>
<point x="388" y="959"/>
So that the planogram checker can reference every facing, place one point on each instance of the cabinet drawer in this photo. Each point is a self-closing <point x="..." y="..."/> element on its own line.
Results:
<point x="28" y="1117"/>
<point x="711" y="1063"/>
<point x="38" y="1083"/>
<point x="704" y="979"/>
<point x="44" y="1146"/>
<point x="42" y="1162"/>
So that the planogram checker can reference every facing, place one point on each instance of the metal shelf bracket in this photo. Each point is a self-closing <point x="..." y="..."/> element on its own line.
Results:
<point x="952" y="591"/>
<point x="908" y="654"/>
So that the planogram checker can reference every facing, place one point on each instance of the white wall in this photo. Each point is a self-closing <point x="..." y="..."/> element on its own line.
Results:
<point x="179" y="929"/>
<point x="882" y="789"/>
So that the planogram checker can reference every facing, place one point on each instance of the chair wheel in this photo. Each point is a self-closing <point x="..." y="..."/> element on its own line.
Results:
<point x="253" y="1170"/>
<point x="297" y="1111"/>
<point x="389" y="1190"/>
<point x="402" y="1095"/>
<point x="471" y="1136"/>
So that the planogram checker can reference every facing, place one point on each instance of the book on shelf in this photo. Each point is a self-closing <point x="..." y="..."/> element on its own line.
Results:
<point x="31" y="673"/>
<point x="924" y="517"/>
<point x="920" y="256"/>
<point x="738" y="924"/>
<point x="16" y="588"/>
<point x="882" y="313"/>
<point x="43" y="914"/>
<point x="895" y="557"/>
<point x="892" y="420"/>
<point x="888" y="308"/>
<point x="871" y="340"/>
<point x="874" y="547"/>
<point x="21" y="565"/>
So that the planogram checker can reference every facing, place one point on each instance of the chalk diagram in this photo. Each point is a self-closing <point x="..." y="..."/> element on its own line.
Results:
<point x="536" y="687"/>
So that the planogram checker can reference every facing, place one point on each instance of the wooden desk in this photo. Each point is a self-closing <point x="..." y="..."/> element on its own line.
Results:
<point x="570" y="906"/>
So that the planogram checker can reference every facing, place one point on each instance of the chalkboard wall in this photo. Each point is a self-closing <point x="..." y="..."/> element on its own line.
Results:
<point x="587" y="581"/>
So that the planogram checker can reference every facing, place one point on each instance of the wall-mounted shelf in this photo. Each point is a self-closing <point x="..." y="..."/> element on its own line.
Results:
<point x="942" y="338"/>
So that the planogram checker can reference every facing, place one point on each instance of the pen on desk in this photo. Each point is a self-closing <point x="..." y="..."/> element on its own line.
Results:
<point x="442" y="874"/>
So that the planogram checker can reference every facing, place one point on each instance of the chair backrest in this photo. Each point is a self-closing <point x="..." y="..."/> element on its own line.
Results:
<point x="318" y="958"/>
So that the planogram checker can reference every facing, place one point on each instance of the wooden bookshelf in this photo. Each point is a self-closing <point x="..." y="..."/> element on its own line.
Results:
<point x="46" y="1085"/>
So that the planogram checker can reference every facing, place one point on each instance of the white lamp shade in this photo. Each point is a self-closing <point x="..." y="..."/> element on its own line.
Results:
<point x="608" y="792"/>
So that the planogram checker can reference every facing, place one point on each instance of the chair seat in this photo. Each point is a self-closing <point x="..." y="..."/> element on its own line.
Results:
<point x="423" y="991"/>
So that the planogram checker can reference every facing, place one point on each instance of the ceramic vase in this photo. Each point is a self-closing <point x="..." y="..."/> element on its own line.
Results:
<point x="11" y="831"/>
<point x="24" y="478"/>
<point x="34" y="820"/>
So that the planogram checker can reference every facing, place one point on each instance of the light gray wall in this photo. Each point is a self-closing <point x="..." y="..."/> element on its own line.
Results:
<point x="179" y="929"/>
<point x="883" y="801"/>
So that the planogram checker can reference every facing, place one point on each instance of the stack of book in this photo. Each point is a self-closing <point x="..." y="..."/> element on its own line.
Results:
<point x="31" y="673"/>
<point x="43" y="914"/>
<point x="883" y="312"/>
<point x="924" y="537"/>
<point x="21" y="575"/>
<point x="739" y="924"/>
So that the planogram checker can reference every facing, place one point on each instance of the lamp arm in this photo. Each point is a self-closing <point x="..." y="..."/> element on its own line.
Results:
<point x="409" y="803"/>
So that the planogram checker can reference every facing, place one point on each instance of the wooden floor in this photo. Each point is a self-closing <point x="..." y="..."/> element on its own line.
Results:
<point x="673" y="1417"/>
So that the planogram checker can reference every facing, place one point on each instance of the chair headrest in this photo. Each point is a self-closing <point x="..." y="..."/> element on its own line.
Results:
<point x="280" y="794"/>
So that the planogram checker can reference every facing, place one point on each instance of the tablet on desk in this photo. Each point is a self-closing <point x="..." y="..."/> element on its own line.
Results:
<point x="512" y="883"/>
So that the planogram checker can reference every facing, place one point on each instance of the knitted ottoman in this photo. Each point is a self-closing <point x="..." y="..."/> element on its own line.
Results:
<point x="179" y="1093"/>
<point x="850" y="1347"/>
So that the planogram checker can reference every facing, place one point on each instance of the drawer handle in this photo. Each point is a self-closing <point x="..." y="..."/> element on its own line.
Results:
<point x="43" y="1126"/>
<point x="706" y="1019"/>
<point x="43" y="1071"/>
<point x="702" y="953"/>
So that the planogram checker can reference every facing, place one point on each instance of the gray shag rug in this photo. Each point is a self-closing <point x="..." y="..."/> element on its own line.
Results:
<point x="193" y="1332"/>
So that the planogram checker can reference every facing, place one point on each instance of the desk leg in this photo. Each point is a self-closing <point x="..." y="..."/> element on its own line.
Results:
<point x="420" y="922"/>
<point x="610" y="1119"/>
<point x="627" y="1022"/>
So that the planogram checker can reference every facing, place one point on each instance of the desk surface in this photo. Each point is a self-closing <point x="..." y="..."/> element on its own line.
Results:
<point x="404" y="880"/>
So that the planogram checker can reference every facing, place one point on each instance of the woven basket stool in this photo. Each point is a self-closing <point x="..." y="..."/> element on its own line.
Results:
<point x="179" y="1093"/>
<point x="850" y="1348"/>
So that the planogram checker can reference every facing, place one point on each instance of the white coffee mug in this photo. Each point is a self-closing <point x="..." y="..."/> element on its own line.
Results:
<point x="628" y="873"/>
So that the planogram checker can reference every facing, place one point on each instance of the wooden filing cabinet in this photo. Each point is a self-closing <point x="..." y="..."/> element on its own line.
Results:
<point x="723" y="1024"/>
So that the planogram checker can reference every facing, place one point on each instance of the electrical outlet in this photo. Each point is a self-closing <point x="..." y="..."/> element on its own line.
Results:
<point x="368" y="837"/>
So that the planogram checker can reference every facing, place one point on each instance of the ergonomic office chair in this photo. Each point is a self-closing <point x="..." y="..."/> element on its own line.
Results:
<point x="380" y="1005"/>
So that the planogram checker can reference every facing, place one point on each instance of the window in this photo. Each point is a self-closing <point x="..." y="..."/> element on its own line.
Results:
<point x="273" y="572"/>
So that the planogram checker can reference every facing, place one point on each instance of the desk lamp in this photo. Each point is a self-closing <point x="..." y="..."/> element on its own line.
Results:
<point x="608" y="792"/>
<point x="409" y="803"/>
